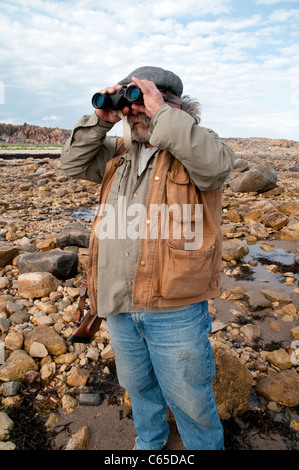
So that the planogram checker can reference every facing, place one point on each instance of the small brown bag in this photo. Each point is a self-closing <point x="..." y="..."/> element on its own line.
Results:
<point x="88" y="324"/>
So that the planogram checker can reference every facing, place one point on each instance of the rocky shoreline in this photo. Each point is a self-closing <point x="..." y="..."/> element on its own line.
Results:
<point x="45" y="223"/>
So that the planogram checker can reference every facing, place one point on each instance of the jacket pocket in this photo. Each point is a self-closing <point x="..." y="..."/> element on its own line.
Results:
<point x="187" y="273"/>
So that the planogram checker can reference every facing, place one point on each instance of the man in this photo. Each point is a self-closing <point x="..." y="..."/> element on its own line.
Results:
<point x="153" y="288"/>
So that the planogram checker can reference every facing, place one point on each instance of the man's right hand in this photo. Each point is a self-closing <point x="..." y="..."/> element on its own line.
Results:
<point x="107" y="115"/>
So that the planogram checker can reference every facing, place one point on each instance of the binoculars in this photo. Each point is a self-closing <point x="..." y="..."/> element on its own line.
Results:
<point x="126" y="96"/>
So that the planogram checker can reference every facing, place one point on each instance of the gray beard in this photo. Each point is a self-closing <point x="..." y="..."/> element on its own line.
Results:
<point x="140" y="134"/>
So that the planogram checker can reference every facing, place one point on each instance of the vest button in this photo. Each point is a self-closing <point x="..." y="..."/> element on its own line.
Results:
<point x="142" y="263"/>
<point x="157" y="178"/>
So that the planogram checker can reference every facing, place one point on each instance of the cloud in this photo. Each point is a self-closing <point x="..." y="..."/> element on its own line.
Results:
<point x="56" y="54"/>
<point x="51" y="118"/>
<point x="273" y="2"/>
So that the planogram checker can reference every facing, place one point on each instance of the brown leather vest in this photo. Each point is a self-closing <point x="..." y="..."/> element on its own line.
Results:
<point x="167" y="274"/>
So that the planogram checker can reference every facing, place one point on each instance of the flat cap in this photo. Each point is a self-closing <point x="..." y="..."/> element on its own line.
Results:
<point x="164" y="79"/>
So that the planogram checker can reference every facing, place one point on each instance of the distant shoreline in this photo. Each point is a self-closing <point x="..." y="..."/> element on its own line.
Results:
<point x="23" y="154"/>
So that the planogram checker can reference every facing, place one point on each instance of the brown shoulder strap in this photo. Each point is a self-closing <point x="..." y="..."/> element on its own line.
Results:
<point x="82" y="298"/>
<point x="120" y="147"/>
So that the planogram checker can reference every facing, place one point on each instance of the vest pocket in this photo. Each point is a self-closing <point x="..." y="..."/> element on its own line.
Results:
<point x="187" y="273"/>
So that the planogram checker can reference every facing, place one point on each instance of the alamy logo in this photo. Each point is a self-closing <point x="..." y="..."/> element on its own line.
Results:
<point x="160" y="221"/>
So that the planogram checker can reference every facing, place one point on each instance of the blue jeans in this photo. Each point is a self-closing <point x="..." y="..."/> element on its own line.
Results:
<point x="166" y="359"/>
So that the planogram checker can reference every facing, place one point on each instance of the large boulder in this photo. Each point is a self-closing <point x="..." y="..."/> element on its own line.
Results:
<point x="74" y="234"/>
<point x="37" y="285"/>
<point x="259" y="178"/>
<point x="233" y="383"/>
<point x="283" y="388"/>
<point x="46" y="335"/>
<point x="18" y="363"/>
<point x="263" y="212"/>
<point x="234" y="249"/>
<point x="62" y="264"/>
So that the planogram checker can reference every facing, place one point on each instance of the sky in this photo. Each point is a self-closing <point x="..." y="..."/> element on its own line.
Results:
<point x="238" y="58"/>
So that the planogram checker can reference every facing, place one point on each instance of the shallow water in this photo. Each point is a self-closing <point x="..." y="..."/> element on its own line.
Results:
<point x="83" y="213"/>
<point x="282" y="256"/>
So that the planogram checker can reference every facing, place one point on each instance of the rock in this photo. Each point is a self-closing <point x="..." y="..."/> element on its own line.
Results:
<point x="79" y="440"/>
<point x="274" y="192"/>
<point x="251" y="331"/>
<point x="259" y="178"/>
<point x="275" y="296"/>
<point x="47" y="371"/>
<point x="12" y="307"/>
<point x="294" y="332"/>
<point x="4" y="282"/>
<point x="10" y="389"/>
<point x="274" y="219"/>
<point x="7" y="445"/>
<point x="33" y="134"/>
<point x="289" y="309"/>
<point x="279" y="358"/>
<point x="13" y="341"/>
<point x="38" y="350"/>
<point x="46" y="335"/>
<point x="93" y="354"/>
<point x="257" y="229"/>
<point x="8" y="251"/>
<point x="274" y="325"/>
<point x="240" y="165"/>
<point x="266" y="247"/>
<point x="77" y="377"/>
<point x="290" y="231"/>
<point x="68" y="402"/>
<point x="4" y="325"/>
<point x="31" y="377"/>
<point x="6" y="426"/>
<point x="283" y="388"/>
<point x="90" y="399"/>
<point x="48" y="244"/>
<point x="232" y="385"/>
<point x="16" y="365"/>
<point x="288" y="207"/>
<point x="42" y="320"/>
<point x="265" y="212"/>
<point x="257" y="301"/>
<point x="19" y="317"/>
<point x="37" y="285"/>
<point x="47" y="307"/>
<point x="61" y="264"/>
<point x="107" y="352"/>
<point x="74" y="234"/>
<point x="233" y="250"/>
<point x="67" y="358"/>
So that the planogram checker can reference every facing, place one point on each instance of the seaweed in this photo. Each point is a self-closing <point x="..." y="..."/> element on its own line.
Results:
<point x="240" y="431"/>
<point x="245" y="274"/>
<point x="282" y="267"/>
<point x="29" y="431"/>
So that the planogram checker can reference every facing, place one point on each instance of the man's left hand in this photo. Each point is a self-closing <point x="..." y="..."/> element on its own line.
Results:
<point x="152" y="97"/>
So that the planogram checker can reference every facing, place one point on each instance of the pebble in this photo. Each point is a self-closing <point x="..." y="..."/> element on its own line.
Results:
<point x="90" y="399"/>
<point x="10" y="389"/>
